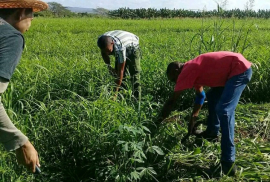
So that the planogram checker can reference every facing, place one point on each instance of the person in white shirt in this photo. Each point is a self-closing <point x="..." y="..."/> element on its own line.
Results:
<point x="125" y="48"/>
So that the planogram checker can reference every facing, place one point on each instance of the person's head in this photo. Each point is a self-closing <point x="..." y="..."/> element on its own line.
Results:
<point x="18" y="18"/>
<point x="19" y="13"/>
<point x="105" y="43"/>
<point x="173" y="70"/>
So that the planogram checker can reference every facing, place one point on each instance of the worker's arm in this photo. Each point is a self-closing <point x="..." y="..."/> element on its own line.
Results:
<point x="14" y="139"/>
<point x="199" y="100"/>
<point x="169" y="104"/>
<point x="107" y="61"/>
<point x="120" y="75"/>
<point x="121" y="62"/>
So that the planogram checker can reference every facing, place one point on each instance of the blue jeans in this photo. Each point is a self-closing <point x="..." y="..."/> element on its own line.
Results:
<point x="222" y="102"/>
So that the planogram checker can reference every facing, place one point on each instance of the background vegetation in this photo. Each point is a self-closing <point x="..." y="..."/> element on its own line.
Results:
<point x="127" y="13"/>
<point x="58" y="10"/>
<point x="60" y="96"/>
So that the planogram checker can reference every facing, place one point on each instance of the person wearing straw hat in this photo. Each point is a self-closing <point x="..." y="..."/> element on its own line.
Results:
<point x="15" y="19"/>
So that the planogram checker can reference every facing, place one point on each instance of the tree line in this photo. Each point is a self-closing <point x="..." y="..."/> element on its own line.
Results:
<point x="127" y="13"/>
<point x="57" y="10"/>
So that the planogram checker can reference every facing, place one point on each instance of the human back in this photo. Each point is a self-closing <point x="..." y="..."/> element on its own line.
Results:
<point x="123" y="38"/>
<point x="211" y="69"/>
<point x="223" y="61"/>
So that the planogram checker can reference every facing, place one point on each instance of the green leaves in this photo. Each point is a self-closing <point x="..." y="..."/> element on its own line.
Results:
<point x="155" y="149"/>
<point x="197" y="151"/>
<point x="135" y="175"/>
<point x="60" y="97"/>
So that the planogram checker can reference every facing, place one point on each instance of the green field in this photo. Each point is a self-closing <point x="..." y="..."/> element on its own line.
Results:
<point x="60" y="97"/>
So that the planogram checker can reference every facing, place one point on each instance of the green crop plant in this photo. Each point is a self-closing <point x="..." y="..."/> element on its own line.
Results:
<point x="61" y="97"/>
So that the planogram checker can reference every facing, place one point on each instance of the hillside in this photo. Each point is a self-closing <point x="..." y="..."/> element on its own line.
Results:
<point x="88" y="10"/>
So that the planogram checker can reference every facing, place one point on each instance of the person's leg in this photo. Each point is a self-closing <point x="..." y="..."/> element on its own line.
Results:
<point x="225" y="110"/>
<point x="213" y="123"/>
<point x="135" y="69"/>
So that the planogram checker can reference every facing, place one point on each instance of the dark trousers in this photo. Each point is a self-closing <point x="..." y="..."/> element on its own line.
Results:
<point x="132" y="69"/>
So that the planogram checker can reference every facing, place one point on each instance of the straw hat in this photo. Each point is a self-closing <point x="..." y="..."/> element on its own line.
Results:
<point x="36" y="5"/>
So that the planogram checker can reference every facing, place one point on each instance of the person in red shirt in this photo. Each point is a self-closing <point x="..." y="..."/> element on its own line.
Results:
<point x="227" y="74"/>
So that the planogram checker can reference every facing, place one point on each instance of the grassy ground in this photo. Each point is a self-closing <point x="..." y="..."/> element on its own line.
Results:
<point x="60" y="96"/>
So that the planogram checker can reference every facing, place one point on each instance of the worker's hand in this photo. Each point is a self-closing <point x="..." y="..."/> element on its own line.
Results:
<point x="115" y="97"/>
<point x="28" y="156"/>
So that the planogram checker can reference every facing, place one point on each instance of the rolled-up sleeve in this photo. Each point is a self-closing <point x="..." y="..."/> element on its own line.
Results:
<point x="11" y="47"/>
<point x="10" y="136"/>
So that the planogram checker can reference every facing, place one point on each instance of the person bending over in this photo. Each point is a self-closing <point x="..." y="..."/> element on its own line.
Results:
<point x="227" y="74"/>
<point x="15" y="19"/>
<point x="124" y="46"/>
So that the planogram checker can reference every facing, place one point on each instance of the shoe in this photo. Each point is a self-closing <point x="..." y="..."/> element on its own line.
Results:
<point x="206" y="135"/>
<point x="228" y="168"/>
<point x="223" y="168"/>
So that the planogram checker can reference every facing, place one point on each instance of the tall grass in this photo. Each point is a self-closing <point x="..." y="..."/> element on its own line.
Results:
<point x="60" y="96"/>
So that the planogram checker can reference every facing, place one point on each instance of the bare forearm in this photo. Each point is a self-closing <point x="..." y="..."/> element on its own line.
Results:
<point x="193" y="117"/>
<point x="119" y="80"/>
<point x="120" y="74"/>
<point x="169" y="104"/>
<point x="167" y="108"/>
<point x="196" y="110"/>
<point x="106" y="59"/>
<point x="10" y="136"/>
